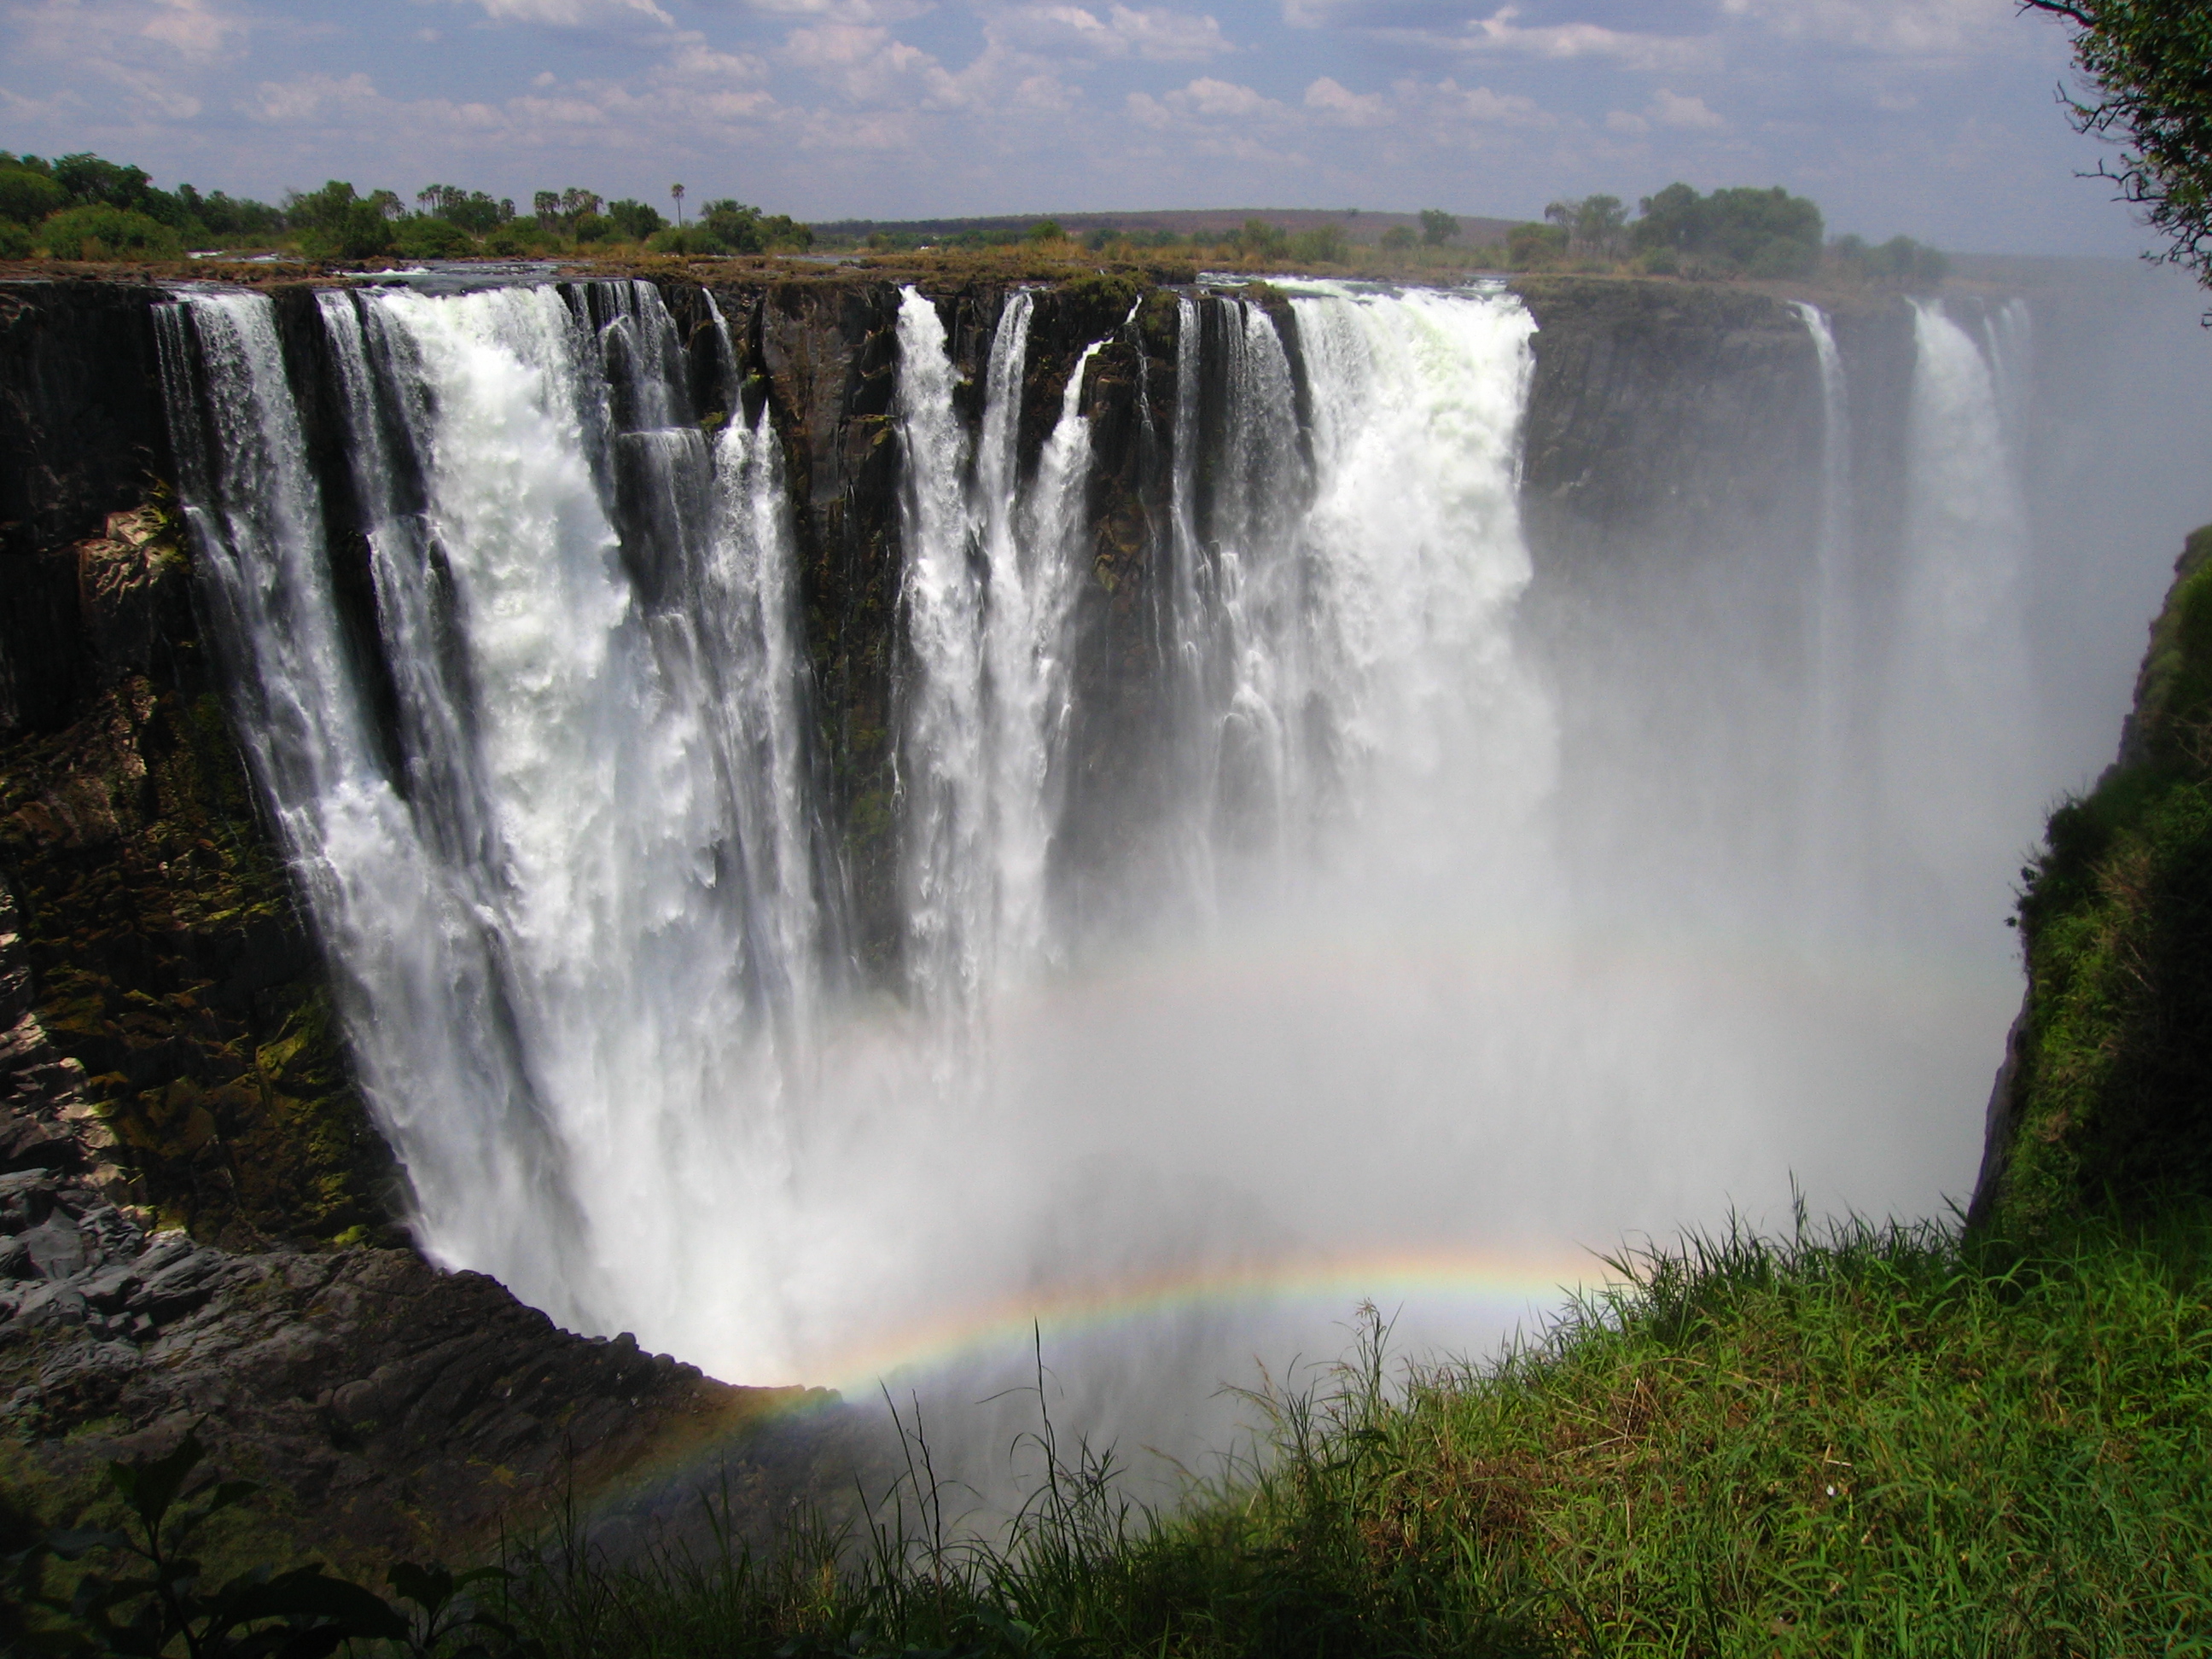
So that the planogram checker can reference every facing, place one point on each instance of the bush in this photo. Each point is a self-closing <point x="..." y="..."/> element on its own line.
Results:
<point x="1399" y="238"/>
<point x="1259" y="239"/>
<point x="15" y="240"/>
<point x="1046" y="230"/>
<point x="1324" y="245"/>
<point x="107" y="233"/>
<point x="27" y="196"/>
<point x="1534" y="247"/>
<point x="422" y="237"/>
<point x="517" y="239"/>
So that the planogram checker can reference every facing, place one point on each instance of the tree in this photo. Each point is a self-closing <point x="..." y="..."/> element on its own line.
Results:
<point x="1046" y="230"/>
<point x="676" y="191"/>
<point x="1258" y="240"/>
<point x="1595" y="225"/>
<point x="472" y="209"/>
<point x="1764" y="232"/>
<point x="339" y="221"/>
<point x="2150" y="64"/>
<point x="1531" y="246"/>
<point x="1325" y="244"/>
<point x="1438" y="227"/>
<point x="635" y="221"/>
<point x="27" y="196"/>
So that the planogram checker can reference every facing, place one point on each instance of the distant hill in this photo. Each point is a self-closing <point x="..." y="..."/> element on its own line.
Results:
<point x="1361" y="225"/>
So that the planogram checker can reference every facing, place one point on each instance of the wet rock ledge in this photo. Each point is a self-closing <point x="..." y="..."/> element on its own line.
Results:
<point x="387" y="1407"/>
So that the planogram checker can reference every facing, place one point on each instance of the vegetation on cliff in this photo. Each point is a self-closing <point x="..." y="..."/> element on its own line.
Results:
<point x="2108" y="1103"/>
<point x="1878" y="1441"/>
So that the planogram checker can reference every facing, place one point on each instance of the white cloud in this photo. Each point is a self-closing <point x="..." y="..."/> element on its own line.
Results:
<point x="1151" y="32"/>
<point x="1502" y="34"/>
<point x="308" y="97"/>
<point x="1902" y="27"/>
<point x="691" y="59"/>
<point x="868" y="65"/>
<point x="1338" y="105"/>
<point x="1218" y="101"/>
<point x="191" y="27"/>
<point x="1690" y="114"/>
<point x="842" y="11"/>
<point x="1622" y="121"/>
<point x="574" y="13"/>
<point x="82" y="30"/>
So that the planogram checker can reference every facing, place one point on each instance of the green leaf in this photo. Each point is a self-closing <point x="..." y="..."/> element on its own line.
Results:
<point x="149" y="1486"/>
<point x="310" y="1593"/>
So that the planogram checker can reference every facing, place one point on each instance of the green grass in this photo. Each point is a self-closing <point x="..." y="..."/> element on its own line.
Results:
<point x="1878" y="1441"/>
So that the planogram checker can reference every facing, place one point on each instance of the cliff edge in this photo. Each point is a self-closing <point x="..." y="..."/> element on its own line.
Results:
<point x="2104" y="1104"/>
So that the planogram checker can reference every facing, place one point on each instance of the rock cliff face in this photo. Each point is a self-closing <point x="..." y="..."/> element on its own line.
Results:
<point x="199" y="1217"/>
<point x="2104" y="1104"/>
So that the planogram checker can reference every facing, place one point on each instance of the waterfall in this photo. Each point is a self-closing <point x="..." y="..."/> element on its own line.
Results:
<point x="556" y="806"/>
<point x="1962" y="703"/>
<point x="580" y="926"/>
<point x="1831" y="642"/>
<point x="991" y="566"/>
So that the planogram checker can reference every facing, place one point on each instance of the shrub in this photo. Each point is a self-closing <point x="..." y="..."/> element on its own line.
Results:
<point x="422" y="237"/>
<point x="517" y="239"/>
<point x="107" y="233"/>
<point x="1324" y="245"/>
<point x="27" y="196"/>
<point x="15" y="240"/>
<point x="1259" y="239"/>
<point x="1533" y="247"/>
<point x="1399" y="238"/>
<point x="1046" y="230"/>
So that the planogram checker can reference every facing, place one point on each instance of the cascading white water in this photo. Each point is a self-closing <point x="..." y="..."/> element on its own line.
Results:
<point x="592" y="923"/>
<point x="1961" y="702"/>
<point x="990" y="575"/>
<point x="1827" y="853"/>
<point x="587" y="922"/>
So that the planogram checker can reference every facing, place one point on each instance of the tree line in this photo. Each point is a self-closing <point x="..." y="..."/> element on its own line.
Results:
<point x="84" y="207"/>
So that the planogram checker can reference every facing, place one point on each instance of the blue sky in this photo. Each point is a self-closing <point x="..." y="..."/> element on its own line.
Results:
<point x="1935" y="118"/>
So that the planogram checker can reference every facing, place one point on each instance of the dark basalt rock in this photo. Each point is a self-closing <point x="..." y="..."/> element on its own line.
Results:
<point x="389" y="1407"/>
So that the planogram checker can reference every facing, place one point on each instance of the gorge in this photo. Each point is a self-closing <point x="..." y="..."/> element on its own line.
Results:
<point x="843" y="816"/>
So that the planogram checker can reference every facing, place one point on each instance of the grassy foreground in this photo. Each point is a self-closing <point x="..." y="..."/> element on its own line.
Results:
<point x="1876" y="1441"/>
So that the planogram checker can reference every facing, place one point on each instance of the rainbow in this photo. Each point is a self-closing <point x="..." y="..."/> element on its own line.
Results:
<point x="1504" y="1286"/>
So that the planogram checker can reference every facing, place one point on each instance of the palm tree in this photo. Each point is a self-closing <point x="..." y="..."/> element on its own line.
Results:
<point x="676" y="190"/>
